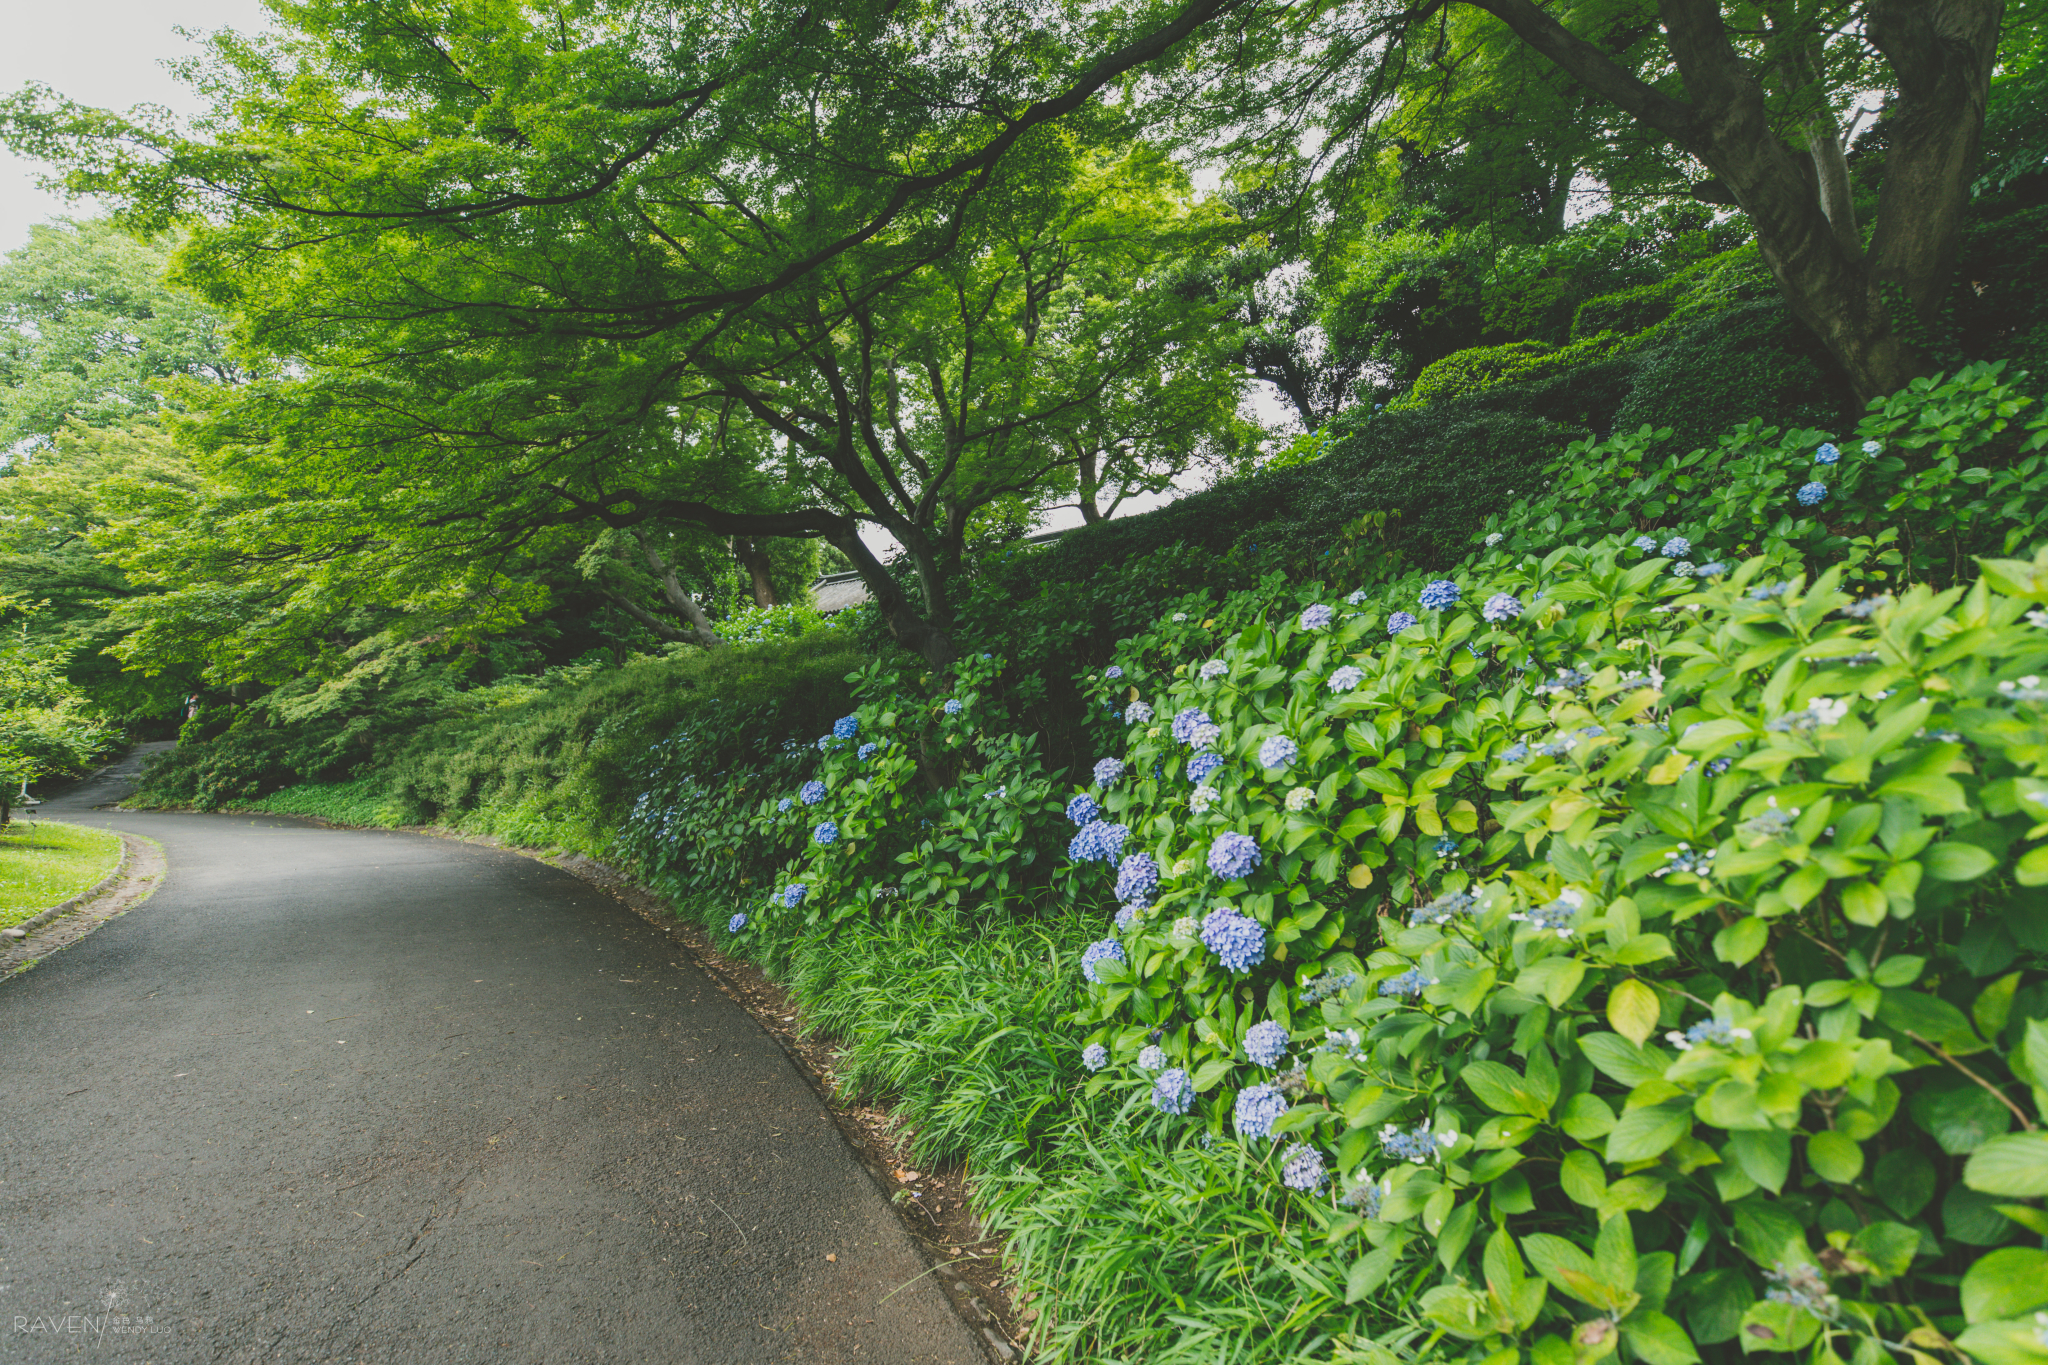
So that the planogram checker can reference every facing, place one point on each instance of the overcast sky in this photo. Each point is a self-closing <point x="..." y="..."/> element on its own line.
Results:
<point x="103" y="52"/>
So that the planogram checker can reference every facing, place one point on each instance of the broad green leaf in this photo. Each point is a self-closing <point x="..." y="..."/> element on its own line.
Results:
<point x="1741" y="941"/>
<point x="2014" y="1166"/>
<point x="1955" y="861"/>
<point x="1502" y="1089"/>
<point x="1370" y="1271"/>
<point x="2005" y="1283"/>
<point x="2011" y="1342"/>
<point x="1627" y="1063"/>
<point x="1657" y="1339"/>
<point x="1961" y="1117"/>
<point x="1765" y="1156"/>
<point x="1650" y="1131"/>
<point x="1834" y="1157"/>
<point x="1632" y="1010"/>
<point x="1904" y="1180"/>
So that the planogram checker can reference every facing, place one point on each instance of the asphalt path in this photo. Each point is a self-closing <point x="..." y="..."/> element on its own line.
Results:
<point x="339" y="1095"/>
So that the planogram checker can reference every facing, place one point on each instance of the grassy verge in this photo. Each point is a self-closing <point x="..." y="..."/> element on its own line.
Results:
<point x="44" y="864"/>
<point x="362" y="802"/>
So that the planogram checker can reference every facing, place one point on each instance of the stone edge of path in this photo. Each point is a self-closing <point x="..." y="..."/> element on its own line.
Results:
<point x="134" y="879"/>
<point x="979" y="1300"/>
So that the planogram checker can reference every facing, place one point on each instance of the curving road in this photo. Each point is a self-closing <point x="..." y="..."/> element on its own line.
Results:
<point x="369" y="1096"/>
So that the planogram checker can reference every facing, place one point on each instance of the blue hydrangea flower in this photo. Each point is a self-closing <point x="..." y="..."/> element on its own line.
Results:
<point x="1871" y="447"/>
<point x="1108" y="770"/>
<point x="783" y="804"/>
<point x="1126" y="916"/>
<point x="812" y="792"/>
<point x="1812" y="494"/>
<point x="824" y="743"/>
<point x="1256" y="1108"/>
<point x="1302" y="1168"/>
<point x="793" y="894"/>
<point x="1137" y="878"/>
<point x="1647" y="543"/>
<point x="1678" y="547"/>
<point x="1112" y="673"/>
<point x="1266" y="1043"/>
<point x="1095" y="1056"/>
<point x="952" y="706"/>
<point x="1365" y="1196"/>
<point x="1278" y="752"/>
<point x="1345" y="679"/>
<point x="1205" y="735"/>
<point x="1234" y="856"/>
<point x="1173" y="1092"/>
<point x="1098" y="841"/>
<point x="826" y="833"/>
<point x="1137" y="713"/>
<point x="846" y="727"/>
<point x="1502" y="606"/>
<point x="864" y="751"/>
<point x="1097" y="951"/>
<point x="736" y="923"/>
<point x="1316" y="617"/>
<point x="1215" y="668"/>
<point x="1238" y="940"/>
<point x="1827" y="454"/>
<point x="1711" y="569"/>
<point x="1408" y="984"/>
<point x="1201" y="765"/>
<point x="1438" y="594"/>
<point x="1082" y="809"/>
<point x="1399" y="622"/>
<point x="1356" y="598"/>
<point x="1418" y="1145"/>
<point x="1152" y="1058"/>
<point x="1184" y="724"/>
<point x="1446" y="846"/>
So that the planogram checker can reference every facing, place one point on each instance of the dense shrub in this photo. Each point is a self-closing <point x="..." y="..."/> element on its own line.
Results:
<point x="1710" y="374"/>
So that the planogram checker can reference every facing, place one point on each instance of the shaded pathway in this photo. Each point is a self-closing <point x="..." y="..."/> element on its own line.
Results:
<point x="372" y="1096"/>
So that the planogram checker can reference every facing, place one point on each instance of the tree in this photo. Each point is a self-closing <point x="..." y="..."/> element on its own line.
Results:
<point x="1752" y="94"/>
<point x="92" y="334"/>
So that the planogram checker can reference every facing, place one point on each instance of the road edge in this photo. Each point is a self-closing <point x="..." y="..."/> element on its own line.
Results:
<point x="132" y="882"/>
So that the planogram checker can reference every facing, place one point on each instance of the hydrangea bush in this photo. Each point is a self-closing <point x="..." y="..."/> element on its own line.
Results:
<point x="1685" y="933"/>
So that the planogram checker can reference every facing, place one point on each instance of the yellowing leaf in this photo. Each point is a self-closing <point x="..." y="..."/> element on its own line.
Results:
<point x="1632" y="1009"/>
<point x="1668" y="770"/>
<point x="1359" y="876"/>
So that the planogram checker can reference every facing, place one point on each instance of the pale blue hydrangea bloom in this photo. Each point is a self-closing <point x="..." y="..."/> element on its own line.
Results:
<point x="1098" y="841"/>
<point x="1302" y="1168"/>
<point x="1345" y="679"/>
<point x="1238" y="940"/>
<point x="1137" y="878"/>
<point x="1215" y="668"/>
<point x="1316" y="617"/>
<point x="1678" y="547"/>
<point x="1173" y="1092"/>
<point x="1439" y="593"/>
<point x="1418" y="1145"/>
<point x="1515" y="752"/>
<point x="1356" y="598"/>
<point x="1266" y="1043"/>
<point x="1256" y="1109"/>
<point x="1108" y="770"/>
<point x="1711" y="569"/>
<point x="846" y="727"/>
<point x="736" y="923"/>
<point x="793" y="894"/>
<point x="1137" y="713"/>
<point x="952" y="706"/>
<point x="1095" y="1056"/>
<point x="1201" y="765"/>
<point x="1112" y="673"/>
<point x="1646" y="543"/>
<point x="1365" y="1196"/>
<point x="783" y="804"/>
<point x="812" y="792"/>
<point x="1812" y="494"/>
<point x="1233" y="856"/>
<point x="1185" y="723"/>
<point x="1827" y="454"/>
<point x="1126" y="916"/>
<point x="1446" y="846"/>
<point x="1097" y="951"/>
<point x="826" y="833"/>
<point x="1871" y="447"/>
<point x="865" y="751"/>
<point x="1152" y="1058"/>
<point x="1411" y="984"/>
<point x="1502" y="606"/>
<point x="1082" y="809"/>
<point x="1399" y="622"/>
<point x="1278" y="752"/>
<point x="1300" y="799"/>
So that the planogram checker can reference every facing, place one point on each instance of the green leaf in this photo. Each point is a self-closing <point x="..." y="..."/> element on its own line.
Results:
<point x="1961" y="1117"/>
<point x="1581" y="1178"/>
<point x="1769" y="1235"/>
<point x="2005" y="1283"/>
<point x="1973" y="1218"/>
<point x="1993" y="1005"/>
<point x="1370" y="1271"/>
<point x="1741" y="941"/>
<point x="1904" y="1179"/>
<point x="1764" y="1156"/>
<point x="1955" y="861"/>
<point x="1586" y="1117"/>
<point x="1502" y="1089"/>
<point x="1834" y="1157"/>
<point x="2014" y="1166"/>
<point x="1210" y="1072"/>
<point x="1657" y="1339"/>
<point x="1928" y="1017"/>
<point x="1650" y="1131"/>
<point x="1714" y="1303"/>
<point x="1887" y="1249"/>
<point x="1628" y="1064"/>
<point x="1632" y="1009"/>
<point x="2011" y="1342"/>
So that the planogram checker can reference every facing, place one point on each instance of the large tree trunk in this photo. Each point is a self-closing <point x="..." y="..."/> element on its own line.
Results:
<point x="686" y="606"/>
<point x="927" y="636"/>
<point x="755" y="563"/>
<point x="1942" y="53"/>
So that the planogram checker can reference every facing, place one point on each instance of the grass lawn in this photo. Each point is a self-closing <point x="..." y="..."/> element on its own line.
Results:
<point x="43" y="863"/>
